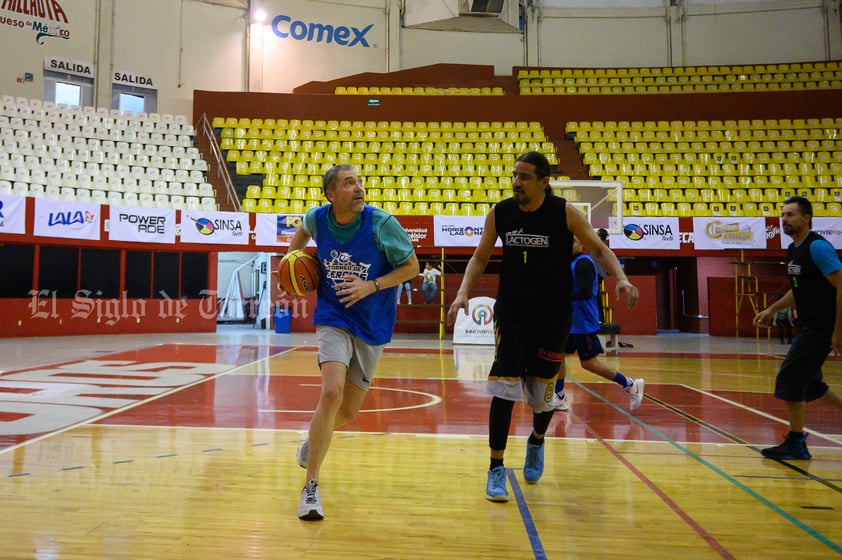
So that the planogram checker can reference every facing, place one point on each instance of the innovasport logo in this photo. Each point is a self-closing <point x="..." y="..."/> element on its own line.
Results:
<point x="286" y="28"/>
<point x="482" y="314"/>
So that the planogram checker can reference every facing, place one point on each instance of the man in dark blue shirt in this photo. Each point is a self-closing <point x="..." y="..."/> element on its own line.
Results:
<point x="815" y="275"/>
<point x="584" y="333"/>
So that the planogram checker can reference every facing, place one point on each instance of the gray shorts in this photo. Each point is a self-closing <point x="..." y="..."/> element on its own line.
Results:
<point x="537" y="392"/>
<point x="339" y="345"/>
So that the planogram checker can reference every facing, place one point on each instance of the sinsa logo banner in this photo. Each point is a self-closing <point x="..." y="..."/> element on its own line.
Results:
<point x="829" y="228"/>
<point x="458" y="231"/>
<point x="729" y="233"/>
<point x="229" y="228"/>
<point x="12" y="213"/>
<point x="648" y="233"/>
<point x="143" y="225"/>
<point x="62" y="218"/>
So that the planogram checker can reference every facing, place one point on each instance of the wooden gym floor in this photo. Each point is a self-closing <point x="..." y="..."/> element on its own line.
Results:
<point x="183" y="446"/>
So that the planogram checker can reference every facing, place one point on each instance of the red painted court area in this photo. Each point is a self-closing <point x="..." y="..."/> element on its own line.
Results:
<point x="198" y="386"/>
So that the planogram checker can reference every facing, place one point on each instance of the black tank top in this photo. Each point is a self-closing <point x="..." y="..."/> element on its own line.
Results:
<point x="535" y="276"/>
<point x="815" y="297"/>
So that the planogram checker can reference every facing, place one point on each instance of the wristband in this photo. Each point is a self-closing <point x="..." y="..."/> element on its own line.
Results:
<point x="376" y="285"/>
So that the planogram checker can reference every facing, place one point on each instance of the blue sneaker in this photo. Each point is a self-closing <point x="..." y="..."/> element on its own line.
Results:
<point x="793" y="447"/>
<point x="533" y="466"/>
<point x="495" y="489"/>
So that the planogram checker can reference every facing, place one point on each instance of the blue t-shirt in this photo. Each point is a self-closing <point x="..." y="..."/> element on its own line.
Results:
<point x="825" y="257"/>
<point x="585" y="292"/>
<point x="373" y="245"/>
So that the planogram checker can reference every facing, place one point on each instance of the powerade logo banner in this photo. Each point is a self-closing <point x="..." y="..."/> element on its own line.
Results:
<point x="648" y="233"/>
<point x="314" y="32"/>
<point x="45" y="18"/>
<point x="827" y="227"/>
<point x="12" y="213"/>
<point x="72" y="220"/>
<point x="227" y="228"/>
<point x="477" y="327"/>
<point x="144" y="225"/>
<point x="729" y="233"/>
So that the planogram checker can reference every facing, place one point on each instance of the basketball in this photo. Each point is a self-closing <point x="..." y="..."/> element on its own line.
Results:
<point x="299" y="273"/>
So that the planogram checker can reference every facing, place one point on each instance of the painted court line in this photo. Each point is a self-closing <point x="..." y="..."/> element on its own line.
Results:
<point x="792" y="519"/>
<point x="759" y="412"/>
<point x="528" y="522"/>
<point x="116" y="411"/>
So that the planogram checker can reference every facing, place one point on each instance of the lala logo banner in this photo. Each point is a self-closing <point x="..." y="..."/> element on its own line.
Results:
<point x="62" y="218"/>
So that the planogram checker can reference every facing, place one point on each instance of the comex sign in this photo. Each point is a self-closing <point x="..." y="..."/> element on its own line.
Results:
<point x="284" y="26"/>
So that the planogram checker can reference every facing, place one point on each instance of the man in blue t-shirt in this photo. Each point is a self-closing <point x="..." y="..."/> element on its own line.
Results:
<point x="815" y="275"/>
<point x="364" y="253"/>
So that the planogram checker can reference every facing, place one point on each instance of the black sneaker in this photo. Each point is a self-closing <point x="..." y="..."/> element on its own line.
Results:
<point x="793" y="447"/>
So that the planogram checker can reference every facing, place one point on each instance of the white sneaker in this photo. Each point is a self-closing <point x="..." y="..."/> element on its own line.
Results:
<point x="560" y="403"/>
<point x="635" y="392"/>
<point x="303" y="454"/>
<point x="310" y="505"/>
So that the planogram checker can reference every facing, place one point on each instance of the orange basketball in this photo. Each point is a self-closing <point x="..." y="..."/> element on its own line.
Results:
<point x="299" y="273"/>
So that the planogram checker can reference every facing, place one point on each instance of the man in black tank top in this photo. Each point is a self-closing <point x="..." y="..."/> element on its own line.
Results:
<point x="815" y="275"/>
<point x="533" y="308"/>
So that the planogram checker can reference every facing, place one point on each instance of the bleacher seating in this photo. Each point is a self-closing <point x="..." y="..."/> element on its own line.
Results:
<point x="416" y="90"/>
<point x="88" y="154"/>
<point x="408" y="167"/>
<point x="720" y="168"/>
<point x="680" y="79"/>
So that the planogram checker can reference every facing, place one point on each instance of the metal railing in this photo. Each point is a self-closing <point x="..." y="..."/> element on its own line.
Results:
<point x="218" y="160"/>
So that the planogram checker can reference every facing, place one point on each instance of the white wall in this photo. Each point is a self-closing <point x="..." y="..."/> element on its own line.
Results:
<point x="772" y="32"/>
<point x="20" y="52"/>
<point x="602" y="38"/>
<point x="189" y="44"/>
<point x="184" y="45"/>
<point x="288" y="62"/>
<point x="181" y="44"/>
<point x="421" y="47"/>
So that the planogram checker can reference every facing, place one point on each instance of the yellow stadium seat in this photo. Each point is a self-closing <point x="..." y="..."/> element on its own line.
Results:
<point x="684" y="209"/>
<point x="767" y="209"/>
<point x="733" y="209"/>
<point x="249" y="205"/>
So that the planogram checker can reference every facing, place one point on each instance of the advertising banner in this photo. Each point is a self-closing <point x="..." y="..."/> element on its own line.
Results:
<point x="829" y="228"/>
<point x="141" y="225"/>
<point x="648" y="233"/>
<point x="458" y="231"/>
<point x="729" y="233"/>
<point x="12" y="213"/>
<point x="62" y="218"/>
<point x="477" y="327"/>
<point x="224" y="228"/>
<point x="276" y="229"/>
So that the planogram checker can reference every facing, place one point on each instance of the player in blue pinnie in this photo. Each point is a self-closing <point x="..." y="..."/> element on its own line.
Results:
<point x="364" y="253"/>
